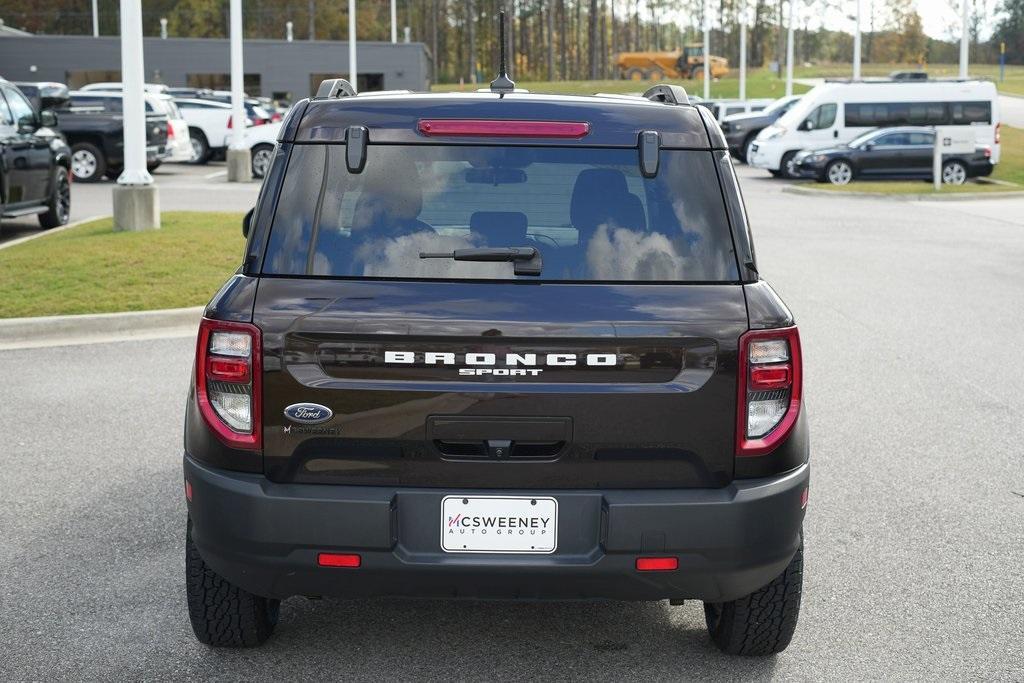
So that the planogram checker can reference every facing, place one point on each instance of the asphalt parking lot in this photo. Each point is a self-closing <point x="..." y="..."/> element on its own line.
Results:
<point x="911" y="325"/>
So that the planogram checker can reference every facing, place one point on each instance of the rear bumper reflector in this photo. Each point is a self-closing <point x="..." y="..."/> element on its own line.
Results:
<point x="338" y="560"/>
<point x="657" y="564"/>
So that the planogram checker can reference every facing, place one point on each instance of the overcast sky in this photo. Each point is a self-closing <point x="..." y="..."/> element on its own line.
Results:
<point x="941" y="18"/>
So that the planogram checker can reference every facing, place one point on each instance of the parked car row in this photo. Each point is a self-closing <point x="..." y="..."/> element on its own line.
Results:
<point x="842" y="131"/>
<point x="194" y="129"/>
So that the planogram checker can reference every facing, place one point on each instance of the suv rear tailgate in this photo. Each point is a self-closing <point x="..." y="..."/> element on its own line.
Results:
<point x="607" y="385"/>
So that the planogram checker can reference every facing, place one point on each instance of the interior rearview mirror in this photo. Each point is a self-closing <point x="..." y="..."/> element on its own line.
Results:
<point x="247" y="221"/>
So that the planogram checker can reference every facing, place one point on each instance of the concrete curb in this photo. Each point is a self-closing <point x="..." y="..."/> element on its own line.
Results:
<point x="65" y="330"/>
<point x="960" y="196"/>
<point x="54" y="231"/>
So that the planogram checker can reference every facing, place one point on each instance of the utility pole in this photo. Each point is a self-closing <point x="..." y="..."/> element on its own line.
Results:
<point x="471" y="21"/>
<point x="289" y="31"/>
<point x="743" y="51"/>
<point x="856" y="45"/>
<point x="239" y="163"/>
<point x="394" y="21"/>
<point x="163" y="28"/>
<point x="353" y="71"/>
<point x="135" y="199"/>
<point x="965" y="37"/>
<point x="312" y="19"/>
<point x="789" y="51"/>
<point x="707" y="51"/>
<point x="95" y="19"/>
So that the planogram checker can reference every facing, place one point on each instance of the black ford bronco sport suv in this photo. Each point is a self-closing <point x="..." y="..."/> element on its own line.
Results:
<point x="497" y="345"/>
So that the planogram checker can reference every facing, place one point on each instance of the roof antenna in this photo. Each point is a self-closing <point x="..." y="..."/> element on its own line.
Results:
<point x="502" y="84"/>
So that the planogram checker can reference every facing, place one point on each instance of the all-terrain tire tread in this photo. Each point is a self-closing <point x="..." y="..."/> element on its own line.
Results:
<point x="222" y="614"/>
<point x="763" y="622"/>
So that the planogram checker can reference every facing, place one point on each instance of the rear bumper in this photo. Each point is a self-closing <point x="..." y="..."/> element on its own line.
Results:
<point x="265" y="537"/>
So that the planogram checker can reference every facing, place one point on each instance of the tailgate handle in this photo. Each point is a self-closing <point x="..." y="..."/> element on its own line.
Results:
<point x="499" y="438"/>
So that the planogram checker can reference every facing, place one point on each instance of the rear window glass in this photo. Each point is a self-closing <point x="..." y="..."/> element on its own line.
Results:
<point x="588" y="211"/>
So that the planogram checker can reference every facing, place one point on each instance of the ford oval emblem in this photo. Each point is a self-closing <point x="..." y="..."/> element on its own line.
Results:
<point x="308" y="413"/>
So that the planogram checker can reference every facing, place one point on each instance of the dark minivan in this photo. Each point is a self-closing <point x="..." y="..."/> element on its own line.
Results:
<point x="498" y="345"/>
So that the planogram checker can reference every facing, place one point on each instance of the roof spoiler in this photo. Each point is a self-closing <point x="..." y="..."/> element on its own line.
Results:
<point x="333" y="88"/>
<point x="669" y="94"/>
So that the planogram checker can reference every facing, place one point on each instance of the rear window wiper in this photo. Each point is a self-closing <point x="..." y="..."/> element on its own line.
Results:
<point x="526" y="259"/>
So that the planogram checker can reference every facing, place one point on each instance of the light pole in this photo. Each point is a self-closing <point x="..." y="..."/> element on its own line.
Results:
<point x="95" y="19"/>
<point x="789" y="51"/>
<point x="163" y="28"/>
<point x="394" y="21"/>
<point x="707" y="52"/>
<point x="136" y="205"/>
<point x="856" y="44"/>
<point x="743" y="51"/>
<point x="289" y="31"/>
<point x="239" y="163"/>
<point x="964" y="38"/>
<point x="353" y="72"/>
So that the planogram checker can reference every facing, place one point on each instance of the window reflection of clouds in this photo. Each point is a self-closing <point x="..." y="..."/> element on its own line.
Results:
<point x="409" y="200"/>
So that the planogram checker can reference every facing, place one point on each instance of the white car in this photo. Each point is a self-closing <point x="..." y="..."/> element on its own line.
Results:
<point x="208" y="122"/>
<point x="179" y="141"/>
<point x="261" y="141"/>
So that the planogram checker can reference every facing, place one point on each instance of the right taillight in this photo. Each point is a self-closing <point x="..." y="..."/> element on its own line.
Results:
<point x="228" y="381"/>
<point x="770" y="383"/>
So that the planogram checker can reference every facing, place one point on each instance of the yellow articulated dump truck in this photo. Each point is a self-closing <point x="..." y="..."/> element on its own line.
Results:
<point x="655" y="66"/>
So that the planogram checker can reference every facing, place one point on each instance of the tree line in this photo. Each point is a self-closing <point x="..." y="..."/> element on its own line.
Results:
<point x="554" y="39"/>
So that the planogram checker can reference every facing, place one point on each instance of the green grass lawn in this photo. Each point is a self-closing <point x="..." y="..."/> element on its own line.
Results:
<point x="92" y="269"/>
<point x="1009" y="169"/>
<point x="760" y="82"/>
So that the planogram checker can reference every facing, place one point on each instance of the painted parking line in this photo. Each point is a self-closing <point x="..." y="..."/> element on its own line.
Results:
<point x="215" y="174"/>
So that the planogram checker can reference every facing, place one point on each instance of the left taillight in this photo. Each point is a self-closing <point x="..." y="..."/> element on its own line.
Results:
<point x="228" y="381"/>
<point x="770" y="389"/>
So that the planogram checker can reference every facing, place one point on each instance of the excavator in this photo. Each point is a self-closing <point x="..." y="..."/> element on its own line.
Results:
<point x="687" y="62"/>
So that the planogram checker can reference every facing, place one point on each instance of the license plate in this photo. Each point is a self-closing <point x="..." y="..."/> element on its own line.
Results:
<point x="499" y="524"/>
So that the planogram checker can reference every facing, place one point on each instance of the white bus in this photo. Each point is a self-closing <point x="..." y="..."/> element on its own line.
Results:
<point x="836" y="112"/>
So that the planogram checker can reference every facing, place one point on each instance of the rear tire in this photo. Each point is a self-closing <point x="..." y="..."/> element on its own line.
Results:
<point x="763" y="622"/>
<point x="87" y="162"/>
<point x="262" y="156"/>
<point x="954" y="173"/>
<point x="222" y="614"/>
<point x="200" y="147"/>
<point x="58" y="208"/>
<point x="634" y="74"/>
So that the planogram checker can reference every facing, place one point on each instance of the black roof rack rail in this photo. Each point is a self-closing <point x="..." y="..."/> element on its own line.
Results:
<point x="334" y="87"/>
<point x="669" y="94"/>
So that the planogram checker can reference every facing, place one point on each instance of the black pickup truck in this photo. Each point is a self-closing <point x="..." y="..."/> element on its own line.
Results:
<point x="498" y="345"/>
<point x="93" y="125"/>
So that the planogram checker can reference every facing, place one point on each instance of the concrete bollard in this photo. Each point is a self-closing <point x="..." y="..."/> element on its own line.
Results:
<point x="136" y="208"/>
<point x="239" y="166"/>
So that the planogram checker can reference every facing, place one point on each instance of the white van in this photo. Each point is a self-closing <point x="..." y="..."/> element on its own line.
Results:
<point x="836" y="112"/>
